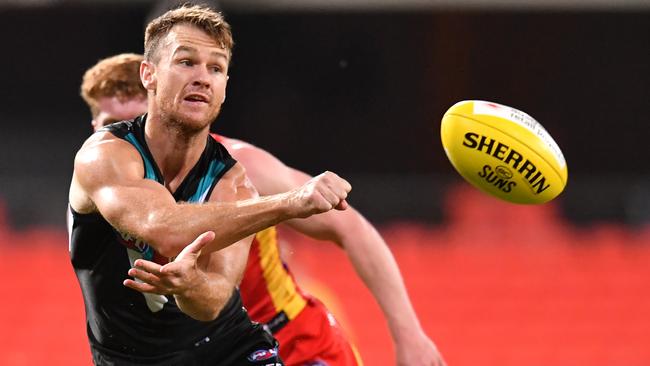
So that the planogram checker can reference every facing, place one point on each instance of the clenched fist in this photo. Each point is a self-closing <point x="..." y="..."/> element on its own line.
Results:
<point x="320" y="194"/>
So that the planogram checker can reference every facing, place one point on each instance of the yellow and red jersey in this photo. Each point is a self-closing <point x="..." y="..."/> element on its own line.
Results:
<point x="269" y="290"/>
<point x="308" y="333"/>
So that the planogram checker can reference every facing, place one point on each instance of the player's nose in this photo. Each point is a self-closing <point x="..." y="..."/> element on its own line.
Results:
<point x="201" y="77"/>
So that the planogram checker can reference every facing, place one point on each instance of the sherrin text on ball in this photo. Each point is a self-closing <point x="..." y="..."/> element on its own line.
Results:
<point x="503" y="151"/>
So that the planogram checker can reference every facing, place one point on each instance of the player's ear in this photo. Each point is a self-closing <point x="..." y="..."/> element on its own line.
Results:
<point x="148" y="75"/>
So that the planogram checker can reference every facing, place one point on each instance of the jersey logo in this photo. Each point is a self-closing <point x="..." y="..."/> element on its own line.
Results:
<point x="136" y="244"/>
<point x="138" y="249"/>
<point x="263" y="354"/>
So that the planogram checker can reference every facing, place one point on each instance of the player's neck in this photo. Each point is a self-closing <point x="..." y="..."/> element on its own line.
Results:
<point x="175" y="150"/>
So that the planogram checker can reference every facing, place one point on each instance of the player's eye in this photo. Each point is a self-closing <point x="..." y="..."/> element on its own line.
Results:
<point x="185" y="62"/>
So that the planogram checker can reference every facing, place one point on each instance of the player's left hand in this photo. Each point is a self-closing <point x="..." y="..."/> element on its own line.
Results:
<point x="174" y="278"/>
<point x="418" y="351"/>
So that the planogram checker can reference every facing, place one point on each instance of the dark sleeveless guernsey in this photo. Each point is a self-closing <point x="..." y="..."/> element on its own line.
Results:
<point x="125" y="323"/>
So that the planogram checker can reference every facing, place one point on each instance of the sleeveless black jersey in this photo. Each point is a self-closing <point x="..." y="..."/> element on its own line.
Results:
<point x="122" y="321"/>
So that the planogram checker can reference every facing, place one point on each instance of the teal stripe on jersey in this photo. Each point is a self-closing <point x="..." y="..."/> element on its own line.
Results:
<point x="206" y="181"/>
<point x="148" y="167"/>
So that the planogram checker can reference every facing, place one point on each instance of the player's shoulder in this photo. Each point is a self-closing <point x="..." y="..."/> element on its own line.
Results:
<point x="103" y="144"/>
<point x="115" y="136"/>
<point x="237" y="172"/>
<point x="247" y="153"/>
<point x="234" y="185"/>
<point x="233" y="144"/>
<point x="94" y="164"/>
<point x="105" y="157"/>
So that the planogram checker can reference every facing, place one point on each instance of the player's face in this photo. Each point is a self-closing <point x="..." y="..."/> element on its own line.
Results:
<point x="113" y="109"/>
<point x="190" y="77"/>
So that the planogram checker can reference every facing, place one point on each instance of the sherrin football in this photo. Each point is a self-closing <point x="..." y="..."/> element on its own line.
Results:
<point x="503" y="151"/>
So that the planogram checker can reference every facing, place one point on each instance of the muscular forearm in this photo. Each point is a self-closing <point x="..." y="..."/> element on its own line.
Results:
<point x="375" y="264"/>
<point x="170" y="229"/>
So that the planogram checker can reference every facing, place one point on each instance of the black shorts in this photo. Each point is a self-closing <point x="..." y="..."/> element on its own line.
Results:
<point x="256" y="348"/>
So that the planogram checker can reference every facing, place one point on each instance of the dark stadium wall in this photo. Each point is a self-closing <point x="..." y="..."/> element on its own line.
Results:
<point x="359" y="93"/>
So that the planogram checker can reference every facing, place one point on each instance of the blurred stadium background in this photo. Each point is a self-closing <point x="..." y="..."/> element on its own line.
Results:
<point x="359" y="87"/>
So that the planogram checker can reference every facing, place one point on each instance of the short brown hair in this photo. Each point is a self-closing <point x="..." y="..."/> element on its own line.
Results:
<point x="208" y="20"/>
<point x="116" y="76"/>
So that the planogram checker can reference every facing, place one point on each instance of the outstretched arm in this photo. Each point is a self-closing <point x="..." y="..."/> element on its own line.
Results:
<point x="377" y="268"/>
<point x="108" y="178"/>
<point x="201" y="282"/>
<point x="366" y="249"/>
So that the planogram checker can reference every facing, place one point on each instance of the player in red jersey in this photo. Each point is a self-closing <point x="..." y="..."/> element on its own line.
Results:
<point x="307" y="332"/>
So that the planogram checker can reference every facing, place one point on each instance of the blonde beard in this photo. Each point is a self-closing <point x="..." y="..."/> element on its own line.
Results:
<point x="182" y="127"/>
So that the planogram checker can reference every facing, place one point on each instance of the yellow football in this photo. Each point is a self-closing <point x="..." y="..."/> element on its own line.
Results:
<point x="503" y="152"/>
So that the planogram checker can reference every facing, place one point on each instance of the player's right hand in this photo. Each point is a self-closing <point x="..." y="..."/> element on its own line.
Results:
<point x="320" y="194"/>
<point x="420" y="351"/>
<point x="181" y="275"/>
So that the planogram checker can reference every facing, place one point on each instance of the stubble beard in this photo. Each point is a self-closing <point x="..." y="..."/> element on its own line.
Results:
<point x="182" y="127"/>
